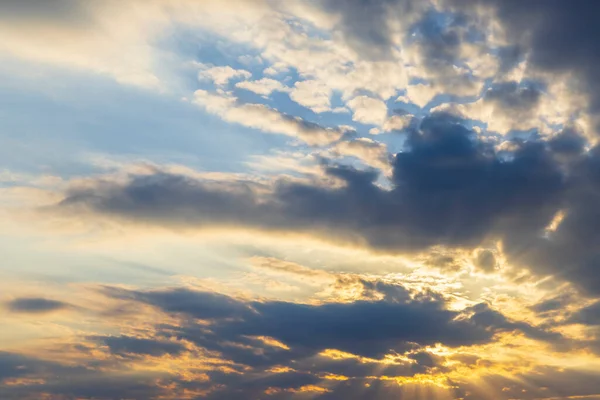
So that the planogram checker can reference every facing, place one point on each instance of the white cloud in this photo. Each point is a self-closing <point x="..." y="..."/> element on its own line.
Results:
<point x="369" y="151"/>
<point x="264" y="86"/>
<point x="115" y="38"/>
<point x="368" y="110"/>
<point x="250" y="60"/>
<point x="276" y="68"/>
<point x="221" y="75"/>
<point x="397" y="122"/>
<point x="556" y="105"/>
<point x="121" y="40"/>
<point x="312" y="94"/>
<point x="420" y="94"/>
<point x="340" y="110"/>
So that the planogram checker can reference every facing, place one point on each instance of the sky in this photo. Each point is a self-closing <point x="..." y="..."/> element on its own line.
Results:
<point x="300" y="199"/>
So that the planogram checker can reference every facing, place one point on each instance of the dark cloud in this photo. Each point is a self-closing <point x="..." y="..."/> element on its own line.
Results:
<point x="449" y="188"/>
<point x="439" y="41"/>
<point x="395" y="321"/>
<point x="438" y="38"/>
<point x="568" y="142"/>
<point x="571" y="250"/>
<point x="366" y="23"/>
<point x="133" y="345"/>
<point x="485" y="261"/>
<point x="370" y="328"/>
<point x="59" y="11"/>
<point x="202" y="305"/>
<point x="560" y="36"/>
<point x="589" y="315"/>
<point x="15" y="365"/>
<point x="35" y="305"/>
<point x="57" y="381"/>
<point x="509" y="57"/>
<point x="553" y="304"/>
<point x="513" y="97"/>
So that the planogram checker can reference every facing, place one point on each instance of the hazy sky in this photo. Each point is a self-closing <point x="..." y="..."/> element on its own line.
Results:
<point x="299" y="199"/>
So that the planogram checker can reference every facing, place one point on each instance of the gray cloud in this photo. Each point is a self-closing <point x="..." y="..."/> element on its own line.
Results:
<point x="35" y="305"/>
<point x="398" y="322"/>
<point x="485" y="261"/>
<point x="366" y="23"/>
<point x="449" y="188"/>
<point x="58" y="11"/>
<point x="560" y="36"/>
<point x="133" y="345"/>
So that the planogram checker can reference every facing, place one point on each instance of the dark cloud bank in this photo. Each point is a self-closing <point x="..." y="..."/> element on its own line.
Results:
<point x="450" y="188"/>
<point x="397" y="322"/>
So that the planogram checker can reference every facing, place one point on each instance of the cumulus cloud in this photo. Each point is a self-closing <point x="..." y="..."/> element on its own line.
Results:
<point x="559" y="38"/>
<point x="368" y="110"/>
<point x="397" y="123"/>
<point x="507" y="106"/>
<point x="312" y="94"/>
<point x="369" y="28"/>
<point x="522" y="106"/>
<point x="264" y="86"/>
<point x="221" y="75"/>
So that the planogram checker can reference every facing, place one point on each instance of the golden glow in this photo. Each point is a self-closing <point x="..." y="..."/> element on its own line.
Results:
<point x="555" y="222"/>
<point x="271" y="342"/>
<point x="440" y="381"/>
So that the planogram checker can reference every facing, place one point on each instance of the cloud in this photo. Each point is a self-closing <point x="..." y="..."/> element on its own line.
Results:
<point x="522" y="106"/>
<point x="124" y="345"/>
<point x="209" y="345"/>
<point x="35" y="305"/>
<point x="264" y="86"/>
<point x="440" y="48"/>
<point x="281" y="267"/>
<point x="558" y="38"/>
<point x="485" y="261"/>
<point x="371" y="152"/>
<point x="202" y="305"/>
<point x="221" y="75"/>
<point x="368" y="27"/>
<point x="397" y="322"/>
<point x="267" y="119"/>
<point x="368" y="110"/>
<point x="312" y="94"/>
<point x="507" y="106"/>
<point x="449" y="188"/>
